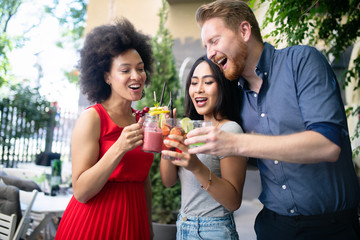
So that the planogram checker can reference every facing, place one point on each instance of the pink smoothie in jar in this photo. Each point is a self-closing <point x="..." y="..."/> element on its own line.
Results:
<point x="152" y="141"/>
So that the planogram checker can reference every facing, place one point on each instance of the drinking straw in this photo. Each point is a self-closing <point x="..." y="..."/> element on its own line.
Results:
<point x="154" y="96"/>
<point x="171" y="106"/>
<point x="172" y="117"/>
<point x="162" y="94"/>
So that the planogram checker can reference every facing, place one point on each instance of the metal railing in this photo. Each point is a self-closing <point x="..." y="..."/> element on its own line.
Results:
<point x="21" y="139"/>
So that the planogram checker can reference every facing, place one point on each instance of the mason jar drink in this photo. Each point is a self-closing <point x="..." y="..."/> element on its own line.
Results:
<point x="153" y="139"/>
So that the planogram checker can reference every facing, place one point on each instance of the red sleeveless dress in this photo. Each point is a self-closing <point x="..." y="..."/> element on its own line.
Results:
<point x="119" y="210"/>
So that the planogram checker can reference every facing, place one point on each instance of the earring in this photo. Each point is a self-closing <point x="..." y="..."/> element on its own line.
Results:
<point x="142" y="94"/>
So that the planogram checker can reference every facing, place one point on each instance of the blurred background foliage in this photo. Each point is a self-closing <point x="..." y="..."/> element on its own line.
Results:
<point x="72" y="20"/>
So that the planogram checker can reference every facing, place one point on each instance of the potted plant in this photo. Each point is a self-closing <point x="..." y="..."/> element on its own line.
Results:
<point x="165" y="204"/>
<point x="165" y="201"/>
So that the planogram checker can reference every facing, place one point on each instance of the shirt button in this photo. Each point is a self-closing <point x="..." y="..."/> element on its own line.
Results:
<point x="255" y="95"/>
<point x="262" y="115"/>
<point x="292" y="211"/>
<point x="276" y="162"/>
<point x="283" y="187"/>
<point x="265" y="73"/>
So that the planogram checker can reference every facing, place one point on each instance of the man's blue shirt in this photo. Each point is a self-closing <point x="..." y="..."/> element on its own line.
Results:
<point x="300" y="92"/>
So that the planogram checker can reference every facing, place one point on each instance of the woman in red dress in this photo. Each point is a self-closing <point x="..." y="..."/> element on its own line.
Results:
<point x="110" y="173"/>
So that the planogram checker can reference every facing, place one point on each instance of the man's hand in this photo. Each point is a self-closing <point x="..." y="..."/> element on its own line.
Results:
<point x="217" y="142"/>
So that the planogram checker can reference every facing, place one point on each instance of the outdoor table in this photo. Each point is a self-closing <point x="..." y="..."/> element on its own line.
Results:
<point x="46" y="207"/>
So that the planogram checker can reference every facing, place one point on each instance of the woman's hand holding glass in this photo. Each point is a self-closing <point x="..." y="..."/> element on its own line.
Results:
<point x="183" y="158"/>
<point x="130" y="138"/>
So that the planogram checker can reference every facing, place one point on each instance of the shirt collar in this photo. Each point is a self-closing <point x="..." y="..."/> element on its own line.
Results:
<point x="266" y="58"/>
<point x="263" y="64"/>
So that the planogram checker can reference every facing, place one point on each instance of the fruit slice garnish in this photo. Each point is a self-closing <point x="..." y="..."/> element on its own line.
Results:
<point x="165" y="130"/>
<point x="155" y="109"/>
<point x="186" y="124"/>
<point x="175" y="131"/>
<point x="158" y="112"/>
<point x="162" y="120"/>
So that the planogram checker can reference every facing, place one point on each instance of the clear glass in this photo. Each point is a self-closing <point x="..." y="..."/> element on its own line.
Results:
<point x="172" y="126"/>
<point x="199" y="124"/>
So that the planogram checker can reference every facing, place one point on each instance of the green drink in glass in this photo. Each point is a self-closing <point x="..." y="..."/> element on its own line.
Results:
<point x="187" y="124"/>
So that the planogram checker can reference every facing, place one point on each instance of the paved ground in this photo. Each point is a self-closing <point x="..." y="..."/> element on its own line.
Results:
<point x="246" y="214"/>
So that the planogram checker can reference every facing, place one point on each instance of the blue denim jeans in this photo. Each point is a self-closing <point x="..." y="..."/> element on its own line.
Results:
<point x="211" y="228"/>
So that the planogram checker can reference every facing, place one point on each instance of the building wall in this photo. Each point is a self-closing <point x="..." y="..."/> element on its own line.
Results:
<point x="144" y="15"/>
<point x="181" y="20"/>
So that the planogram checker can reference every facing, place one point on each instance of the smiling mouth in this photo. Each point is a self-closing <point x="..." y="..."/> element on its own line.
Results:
<point x="222" y="62"/>
<point x="134" y="86"/>
<point x="200" y="100"/>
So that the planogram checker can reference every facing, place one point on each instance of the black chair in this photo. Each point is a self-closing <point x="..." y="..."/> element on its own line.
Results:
<point x="44" y="158"/>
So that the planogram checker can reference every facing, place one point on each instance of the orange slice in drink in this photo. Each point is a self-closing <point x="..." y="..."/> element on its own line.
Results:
<point x="174" y="131"/>
<point x="165" y="130"/>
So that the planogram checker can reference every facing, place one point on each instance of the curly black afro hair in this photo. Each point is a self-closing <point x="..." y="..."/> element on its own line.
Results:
<point x="101" y="46"/>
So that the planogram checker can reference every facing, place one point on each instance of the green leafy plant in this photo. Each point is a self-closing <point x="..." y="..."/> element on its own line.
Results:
<point x="8" y="9"/>
<point x="165" y="201"/>
<point x="31" y="106"/>
<point x="22" y="114"/>
<point x="165" y="67"/>
<point x="73" y="19"/>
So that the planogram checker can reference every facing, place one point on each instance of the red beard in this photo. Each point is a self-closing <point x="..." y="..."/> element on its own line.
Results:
<point x="237" y="64"/>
